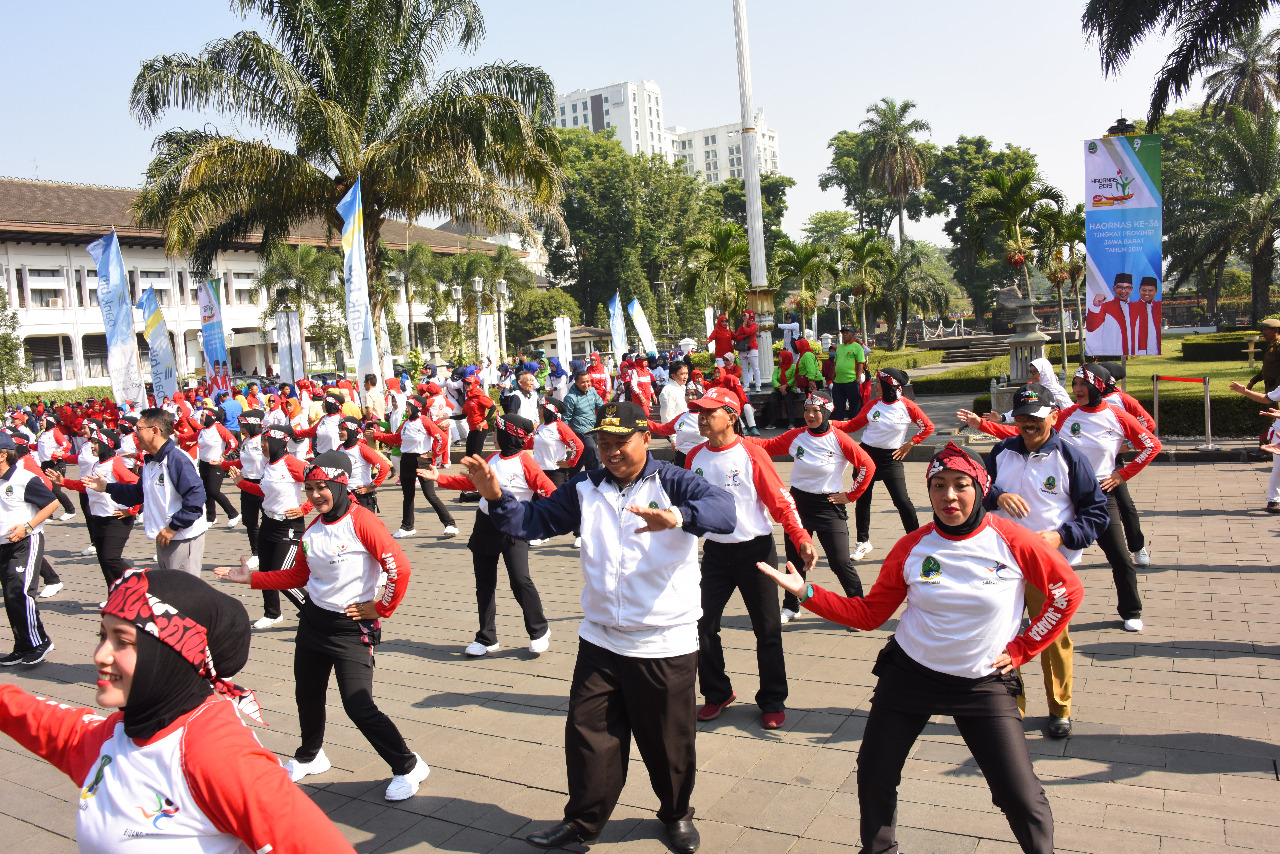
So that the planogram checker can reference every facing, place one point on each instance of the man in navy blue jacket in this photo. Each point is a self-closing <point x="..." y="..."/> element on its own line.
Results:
<point x="170" y="492"/>
<point x="1042" y="483"/>
<point x="638" y="643"/>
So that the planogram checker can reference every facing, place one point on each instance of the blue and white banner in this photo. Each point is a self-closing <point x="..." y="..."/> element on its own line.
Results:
<point x="359" y="317"/>
<point x="289" y="346"/>
<point x="164" y="372"/>
<point x="1123" y="234"/>
<point x="217" y="370"/>
<point x="617" y="327"/>
<point x="642" y="326"/>
<point x="127" y="384"/>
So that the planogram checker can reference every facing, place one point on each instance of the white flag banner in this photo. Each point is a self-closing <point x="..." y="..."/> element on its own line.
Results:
<point x="488" y="334"/>
<point x="710" y="317"/>
<point x="359" y="316"/>
<point x="289" y="346"/>
<point x="641" y="324"/>
<point x="617" y="327"/>
<point x="564" y="342"/>
<point x="127" y="383"/>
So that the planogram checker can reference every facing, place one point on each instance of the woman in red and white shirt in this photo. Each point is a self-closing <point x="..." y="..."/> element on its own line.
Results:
<point x="955" y="649"/>
<point x="418" y="437"/>
<point x="521" y="477"/>
<point x="820" y="457"/>
<point x="344" y="551"/>
<point x="110" y="524"/>
<point x="890" y="427"/>
<point x="213" y="442"/>
<point x="369" y="468"/>
<point x="682" y="430"/>
<point x="556" y="449"/>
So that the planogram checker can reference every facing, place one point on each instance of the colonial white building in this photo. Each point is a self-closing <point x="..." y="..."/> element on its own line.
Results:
<point x="634" y="110"/>
<point x="716" y="153"/>
<point x="51" y="281"/>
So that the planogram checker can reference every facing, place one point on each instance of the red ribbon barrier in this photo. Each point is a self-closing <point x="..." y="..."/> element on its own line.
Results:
<point x="1181" y="379"/>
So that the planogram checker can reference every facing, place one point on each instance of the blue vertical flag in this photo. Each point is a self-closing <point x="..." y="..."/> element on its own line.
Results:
<point x="641" y="324"/>
<point x="164" y="373"/>
<point x="617" y="327"/>
<point x="127" y="384"/>
<point x="359" y="316"/>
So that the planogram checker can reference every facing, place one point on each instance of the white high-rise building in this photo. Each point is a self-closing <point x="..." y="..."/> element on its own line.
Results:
<point x="716" y="152"/>
<point x="634" y="110"/>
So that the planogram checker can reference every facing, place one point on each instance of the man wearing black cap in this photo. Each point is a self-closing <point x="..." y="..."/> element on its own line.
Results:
<point x="638" y="643"/>
<point x="1108" y="321"/>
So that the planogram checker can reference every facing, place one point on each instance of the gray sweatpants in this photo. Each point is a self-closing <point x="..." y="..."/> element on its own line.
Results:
<point x="186" y="555"/>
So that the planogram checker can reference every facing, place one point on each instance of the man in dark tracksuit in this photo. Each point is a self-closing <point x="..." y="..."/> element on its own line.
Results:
<point x="25" y="502"/>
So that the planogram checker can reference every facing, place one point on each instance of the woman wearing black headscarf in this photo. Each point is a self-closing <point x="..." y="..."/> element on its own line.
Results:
<point x="251" y="460"/>
<point x="110" y="523"/>
<point x="955" y="649"/>
<point x="176" y="750"/>
<point x="340" y="621"/>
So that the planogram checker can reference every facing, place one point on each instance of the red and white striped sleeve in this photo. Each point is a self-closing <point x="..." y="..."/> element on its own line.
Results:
<point x="571" y="440"/>
<point x="1048" y="571"/>
<point x="890" y="590"/>
<point x="770" y="490"/>
<point x="920" y="420"/>
<point x="864" y="468"/>
<point x="67" y="738"/>
<point x="373" y="458"/>
<point x="1142" y="439"/>
<point x="385" y="550"/>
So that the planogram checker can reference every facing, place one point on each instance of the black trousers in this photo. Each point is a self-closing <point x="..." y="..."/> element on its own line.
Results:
<point x="367" y="500"/>
<point x="109" y="535"/>
<point x="47" y="573"/>
<point x="251" y="510"/>
<point x="334" y="643"/>
<point x="891" y="473"/>
<point x="590" y="460"/>
<point x="560" y="476"/>
<point x="1123" y="572"/>
<point x="60" y="466"/>
<point x="277" y="546"/>
<point x="727" y="567"/>
<point x="487" y="544"/>
<point x="848" y="400"/>
<point x="611" y="699"/>
<point x="998" y="745"/>
<point x="829" y="523"/>
<point x="19" y="572"/>
<point x="1133" y="537"/>
<point x="212" y="475"/>
<point x="475" y="440"/>
<point x="408" y="485"/>
<point x="786" y="409"/>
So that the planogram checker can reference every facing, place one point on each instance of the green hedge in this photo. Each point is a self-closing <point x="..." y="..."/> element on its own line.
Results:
<point x="1218" y="347"/>
<point x="1234" y="416"/>
<point x="906" y="360"/>
<point x="29" y="398"/>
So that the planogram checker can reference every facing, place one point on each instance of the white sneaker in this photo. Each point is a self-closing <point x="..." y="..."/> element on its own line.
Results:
<point x="476" y="649"/>
<point x="537" y="646"/>
<point x="402" y="533"/>
<point x="1133" y="625"/>
<point x="449" y="531"/>
<point x="102" y="604"/>
<point x="234" y="520"/>
<point x="405" y="786"/>
<point x="577" y="542"/>
<point x="861" y="550"/>
<point x="536" y="542"/>
<point x="50" y="590"/>
<point x="92" y="550"/>
<point x="65" y="516"/>
<point x="788" y="615"/>
<point x="252" y="562"/>
<point x="1142" y="557"/>
<point x="297" y="770"/>
<point x="266" y="622"/>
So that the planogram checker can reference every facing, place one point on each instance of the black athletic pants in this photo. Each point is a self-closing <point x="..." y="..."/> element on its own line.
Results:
<point x="1000" y="748"/>
<point x="786" y="409"/>
<point x="408" y="483"/>
<point x="487" y="544"/>
<point x="727" y="567"/>
<point x="61" y="467"/>
<point x="367" y="500"/>
<point x="1128" y="514"/>
<point x="1123" y="572"/>
<point x="891" y="473"/>
<point x="829" y="523"/>
<point x="251" y="510"/>
<point x="19" y="563"/>
<point x="590" y="460"/>
<point x="277" y="546"/>
<point x="611" y="699"/>
<point x="212" y="475"/>
<point x="109" y="535"/>
<point x="475" y="440"/>
<point x="326" y="643"/>
<point x="848" y="400"/>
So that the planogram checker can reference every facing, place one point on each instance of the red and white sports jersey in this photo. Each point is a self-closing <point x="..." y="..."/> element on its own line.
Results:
<point x="1123" y="400"/>
<point x="281" y="487"/>
<point x="419" y="436"/>
<point x="300" y="448"/>
<point x="367" y="466"/>
<point x="253" y="460"/>
<point x="745" y="470"/>
<point x="202" y="785"/>
<point x="113" y="470"/>
<point x="214" y="442"/>
<point x="820" y="460"/>
<point x="339" y="564"/>
<point x="518" y="475"/>
<point x="1100" y="431"/>
<point x="964" y="597"/>
<point x="887" y="425"/>
<point x="553" y="443"/>
<point x="52" y="445"/>
<point x="682" y="430"/>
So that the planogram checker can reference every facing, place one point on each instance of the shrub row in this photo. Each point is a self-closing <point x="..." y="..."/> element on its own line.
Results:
<point x="1234" y="416"/>
<point x="29" y="398"/>
<point x="1217" y="347"/>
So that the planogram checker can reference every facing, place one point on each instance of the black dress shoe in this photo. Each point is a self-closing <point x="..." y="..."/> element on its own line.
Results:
<point x="684" y="836"/>
<point x="559" y="836"/>
<point x="1059" y="727"/>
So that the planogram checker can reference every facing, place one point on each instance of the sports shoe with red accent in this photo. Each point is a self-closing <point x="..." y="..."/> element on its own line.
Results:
<point x="774" y="720"/>
<point x="711" y="711"/>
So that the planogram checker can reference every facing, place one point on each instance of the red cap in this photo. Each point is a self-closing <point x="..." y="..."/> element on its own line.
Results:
<point x="715" y="398"/>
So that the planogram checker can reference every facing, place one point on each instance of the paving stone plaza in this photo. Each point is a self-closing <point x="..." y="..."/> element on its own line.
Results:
<point x="1175" y="746"/>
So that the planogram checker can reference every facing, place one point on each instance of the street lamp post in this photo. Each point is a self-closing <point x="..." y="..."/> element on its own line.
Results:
<point x="456" y="293"/>
<point x="837" y="300"/>
<point x="477" y="287"/>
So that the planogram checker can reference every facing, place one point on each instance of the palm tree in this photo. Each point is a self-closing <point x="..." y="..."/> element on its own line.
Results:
<point x="1247" y="75"/>
<point x="807" y="266"/>
<point x="353" y="85"/>
<point x="1201" y="31"/>
<point x="866" y="261"/>
<point x="913" y="284"/>
<point x="1247" y="216"/>
<point x="413" y="268"/>
<point x="1058" y="239"/>
<point x="897" y="162"/>
<point x="720" y="259"/>
<point x="303" y="279"/>
<point x="1009" y="201"/>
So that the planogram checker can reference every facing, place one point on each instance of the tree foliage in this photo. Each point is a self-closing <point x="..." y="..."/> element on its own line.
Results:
<point x="728" y="200"/>
<point x="533" y="314"/>
<point x="896" y="163"/>
<point x="15" y="371"/>
<point x="306" y="279"/>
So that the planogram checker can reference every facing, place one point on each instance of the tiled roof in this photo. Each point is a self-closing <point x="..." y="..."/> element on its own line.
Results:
<point x="50" y="212"/>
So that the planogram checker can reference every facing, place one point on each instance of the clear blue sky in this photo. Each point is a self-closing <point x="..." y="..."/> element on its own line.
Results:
<point x="1014" y="72"/>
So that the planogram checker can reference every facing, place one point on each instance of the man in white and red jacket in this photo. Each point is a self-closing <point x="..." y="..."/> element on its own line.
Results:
<point x="729" y="560"/>
<point x="750" y="357"/>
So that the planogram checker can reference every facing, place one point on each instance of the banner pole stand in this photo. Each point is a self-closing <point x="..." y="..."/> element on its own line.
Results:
<point x="1208" y="428"/>
<point x="1155" y="403"/>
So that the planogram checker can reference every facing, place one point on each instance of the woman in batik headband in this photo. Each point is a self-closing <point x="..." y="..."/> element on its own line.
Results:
<point x="956" y="647"/>
<point x="174" y="767"/>
<point x="420" y="440"/>
<point x="521" y="477"/>
<point x="340" y="622"/>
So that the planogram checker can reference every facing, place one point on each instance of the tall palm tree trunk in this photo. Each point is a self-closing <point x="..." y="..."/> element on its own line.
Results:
<point x="902" y="221"/>
<point x="1264" y="264"/>
<point x="1062" y="325"/>
<point x="1080" y="331"/>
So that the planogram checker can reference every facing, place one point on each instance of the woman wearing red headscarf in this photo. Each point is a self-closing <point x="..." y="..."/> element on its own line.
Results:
<point x="750" y="357"/>
<point x="721" y="339"/>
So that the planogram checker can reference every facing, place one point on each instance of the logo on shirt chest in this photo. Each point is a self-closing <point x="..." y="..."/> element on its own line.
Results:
<point x="875" y="415"/>
<point x="732" y="478"/>
<point x="1050" y="484"/>
<point x="799" y="453"/>
<point x="163" y="809"/>
<point x="1075" y="428"/>
<point x="8" y="491"/>
<point x="931" y="570"/>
